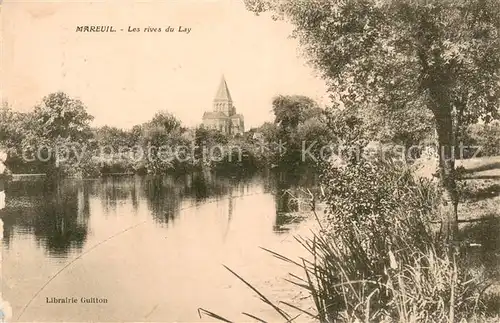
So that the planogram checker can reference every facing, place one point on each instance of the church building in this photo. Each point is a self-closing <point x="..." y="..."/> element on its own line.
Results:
<point x="223" y="116"/>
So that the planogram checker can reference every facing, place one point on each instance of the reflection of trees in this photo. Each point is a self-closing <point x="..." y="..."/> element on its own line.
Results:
<point x="285" y="205"/>
<point x="199" y="188"/>
<point x="135" y="194"/>
<point x="113" y="190"/>
<point x="165" y="194"/>
<point x="57" y="215"/>
<point x="285" y="201"/>
<point x="163" y="197"/>
<point x="203" y="187"/>
<point x="230" y="208"/>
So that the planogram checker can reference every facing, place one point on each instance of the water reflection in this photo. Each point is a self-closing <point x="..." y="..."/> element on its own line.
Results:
<point x="113" y="191"/>
<point x="289" y="200"/>
<point x="190" y="225"/>
<point x="57" y="215"/>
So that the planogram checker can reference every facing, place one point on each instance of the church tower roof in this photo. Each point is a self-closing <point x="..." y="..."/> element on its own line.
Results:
<point x="223" y="91"/>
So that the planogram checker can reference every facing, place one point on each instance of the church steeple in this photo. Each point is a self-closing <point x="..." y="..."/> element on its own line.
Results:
<point x="223" y="101"/>
<point x="223" y="91"/>
<point x="223" y="117"/>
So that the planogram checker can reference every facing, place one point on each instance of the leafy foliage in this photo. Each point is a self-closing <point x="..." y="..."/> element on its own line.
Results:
<point x="385" y="57"/>
<point x="59" y="116"/>
<point x="299" y="123"/>
<point x="56" y="124"/>
<point x="160" y="139"/>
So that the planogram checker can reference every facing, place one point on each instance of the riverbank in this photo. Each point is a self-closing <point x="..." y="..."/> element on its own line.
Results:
<point x="409" y="267"/>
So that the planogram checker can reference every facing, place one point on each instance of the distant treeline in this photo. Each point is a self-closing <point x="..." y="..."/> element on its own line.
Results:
<point x="56" y="138"/>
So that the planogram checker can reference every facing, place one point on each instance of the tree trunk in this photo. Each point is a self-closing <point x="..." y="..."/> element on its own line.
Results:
<point x="446" y="147"/>
<point x="436" y="82"/>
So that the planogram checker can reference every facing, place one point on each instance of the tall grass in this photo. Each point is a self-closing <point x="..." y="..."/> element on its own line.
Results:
<point x="376" y="259"/>
<point x="415" y="286"/>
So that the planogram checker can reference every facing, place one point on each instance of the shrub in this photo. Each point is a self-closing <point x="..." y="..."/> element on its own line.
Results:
<point x="379" y="204"/>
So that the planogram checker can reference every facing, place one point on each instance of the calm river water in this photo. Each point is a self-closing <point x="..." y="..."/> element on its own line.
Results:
<point x="154" y="248"/>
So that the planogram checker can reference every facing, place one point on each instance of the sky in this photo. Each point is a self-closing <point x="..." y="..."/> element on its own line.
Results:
<point x="124" y="78"/>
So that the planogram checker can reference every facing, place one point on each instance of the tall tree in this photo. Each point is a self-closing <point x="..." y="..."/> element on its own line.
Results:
<point x="161" y="137"/>
<point x="443" y="56"/>
<point x="63" y="117"/>
<point x="165" y="120"/>
<point x="291" y="110"/>
<point x="58" y="123"/>
<point x="299" y="122"/>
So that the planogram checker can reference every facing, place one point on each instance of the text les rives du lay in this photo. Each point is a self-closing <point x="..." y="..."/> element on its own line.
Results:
<point x="132" y="29"/>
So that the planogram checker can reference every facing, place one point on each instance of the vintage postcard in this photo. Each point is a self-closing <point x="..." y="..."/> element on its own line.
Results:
<point x="250" y="161"/>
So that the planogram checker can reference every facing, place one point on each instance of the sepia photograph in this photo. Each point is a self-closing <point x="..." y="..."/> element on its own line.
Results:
<point x="250" y="161"/>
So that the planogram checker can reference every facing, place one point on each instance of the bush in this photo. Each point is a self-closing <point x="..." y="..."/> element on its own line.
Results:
<point x="379" y="204"/>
